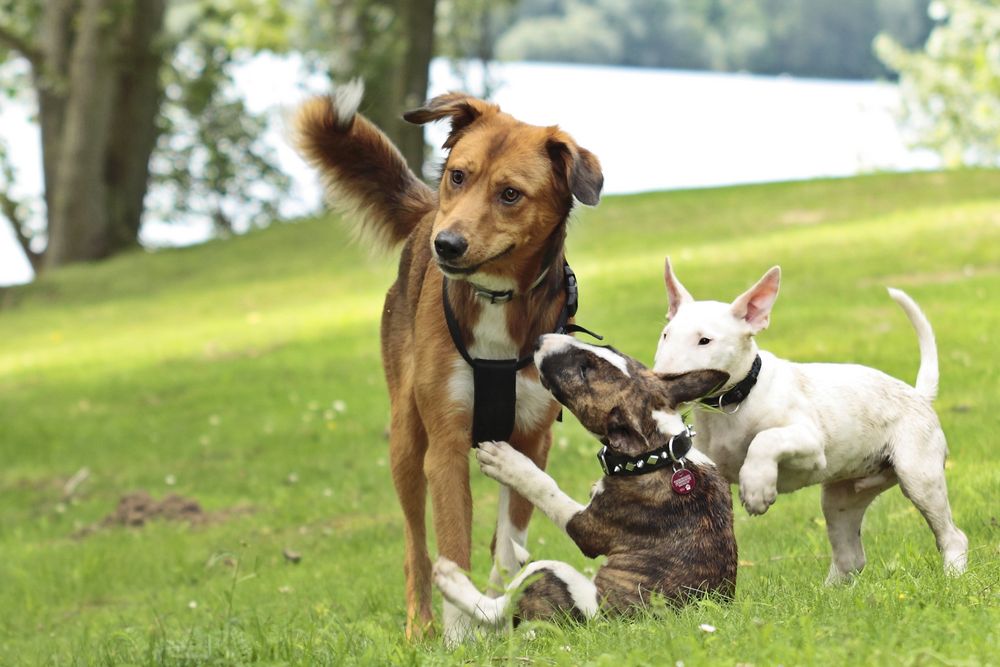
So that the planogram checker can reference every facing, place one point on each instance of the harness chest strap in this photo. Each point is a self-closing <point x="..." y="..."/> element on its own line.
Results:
<point x="495" y="380"/>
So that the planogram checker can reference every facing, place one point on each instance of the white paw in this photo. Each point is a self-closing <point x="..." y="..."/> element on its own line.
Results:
<point x="758" y="488"/>
<point x="448" y="577"/>
<point x="500" y="461"/>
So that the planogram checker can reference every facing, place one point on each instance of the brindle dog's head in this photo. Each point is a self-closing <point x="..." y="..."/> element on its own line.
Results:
<point x="506" y="189"/>
<point x="613" y="395"/>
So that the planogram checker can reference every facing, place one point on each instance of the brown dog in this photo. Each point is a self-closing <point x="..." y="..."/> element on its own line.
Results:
<point x="491" y="240"/>
<point x="662" y="514"/>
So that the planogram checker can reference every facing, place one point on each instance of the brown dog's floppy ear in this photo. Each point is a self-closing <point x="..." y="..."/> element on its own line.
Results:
<point x="462" y="109"/>
<point x="580" y="168"/>
<point x="622" y="435"/>
<point x="691" y="386"/>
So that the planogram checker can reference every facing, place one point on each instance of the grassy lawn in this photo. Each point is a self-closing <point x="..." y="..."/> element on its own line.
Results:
<point x="245" y="374"/>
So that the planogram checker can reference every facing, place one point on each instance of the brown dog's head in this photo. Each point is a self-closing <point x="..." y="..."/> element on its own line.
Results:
<point x="506" y="188"/>
<point x="613" y="395"/>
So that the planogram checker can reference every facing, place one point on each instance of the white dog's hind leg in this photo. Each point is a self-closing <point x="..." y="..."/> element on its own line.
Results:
<point x="920" y="469"/>
<point x="844" y="505"/>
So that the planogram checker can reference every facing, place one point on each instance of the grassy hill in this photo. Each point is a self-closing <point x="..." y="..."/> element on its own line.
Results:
<point x="245" y="374"/>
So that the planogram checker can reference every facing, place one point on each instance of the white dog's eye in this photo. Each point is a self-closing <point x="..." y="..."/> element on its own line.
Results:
<point x="704" y="341"/>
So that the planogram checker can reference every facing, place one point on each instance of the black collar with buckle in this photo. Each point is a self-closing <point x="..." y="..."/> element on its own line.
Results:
<point x="495" y="380"/>
<point x="614" y="463"/>
<point x="738" y="392"/>
<point x="503" y="296"/>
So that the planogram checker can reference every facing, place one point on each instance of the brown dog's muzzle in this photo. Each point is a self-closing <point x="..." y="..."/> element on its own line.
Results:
<point x="449" y="245"/>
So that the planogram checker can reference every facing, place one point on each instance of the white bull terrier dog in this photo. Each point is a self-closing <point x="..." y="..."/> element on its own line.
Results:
<point x="780" y="426"/>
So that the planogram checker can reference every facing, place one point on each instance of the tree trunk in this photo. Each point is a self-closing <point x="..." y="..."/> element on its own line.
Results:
<point x="133" y="118"/>
<point x="78" y="218"/>
<point x="418" y="24"/>
<point x="50" y="76"/>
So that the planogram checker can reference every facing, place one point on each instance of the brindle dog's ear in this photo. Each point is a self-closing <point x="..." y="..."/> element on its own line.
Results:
<point x="462" y="109"/>
<point x="623" y="436"/>
<point x="691" y="386"/>
<point x="580" y="168"/>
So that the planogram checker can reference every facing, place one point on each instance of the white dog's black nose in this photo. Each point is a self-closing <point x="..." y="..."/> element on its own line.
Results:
<point x="450" y="245"/>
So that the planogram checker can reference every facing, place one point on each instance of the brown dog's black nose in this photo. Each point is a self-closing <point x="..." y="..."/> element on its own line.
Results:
<point x="450" y="245"/>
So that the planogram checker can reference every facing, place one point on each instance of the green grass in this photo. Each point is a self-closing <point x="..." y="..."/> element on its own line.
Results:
<point x="217" y="368"/>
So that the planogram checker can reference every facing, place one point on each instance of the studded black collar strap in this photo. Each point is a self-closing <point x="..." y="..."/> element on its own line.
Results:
<point x="737" y="392"/>
<point x="614" y="463"/>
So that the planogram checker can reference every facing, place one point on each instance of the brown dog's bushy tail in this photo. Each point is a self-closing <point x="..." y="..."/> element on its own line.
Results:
<point x="366" y="177"/>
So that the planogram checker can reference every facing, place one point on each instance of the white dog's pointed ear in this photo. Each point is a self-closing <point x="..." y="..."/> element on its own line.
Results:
<point x="676" y="294"/>
<point x="754" y="305"/>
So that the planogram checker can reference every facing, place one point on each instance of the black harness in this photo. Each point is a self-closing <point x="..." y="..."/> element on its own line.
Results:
<point x="495" y="380"/>
<point x="737" y="392"/>
<point x="614" y="463"/>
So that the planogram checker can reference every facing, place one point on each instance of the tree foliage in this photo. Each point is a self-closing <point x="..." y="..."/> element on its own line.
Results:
<point x="951" y="88"/>
<point x="129" y="92"/>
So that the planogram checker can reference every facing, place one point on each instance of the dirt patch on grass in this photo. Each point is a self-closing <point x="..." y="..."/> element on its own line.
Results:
<point x="137" y="508"/>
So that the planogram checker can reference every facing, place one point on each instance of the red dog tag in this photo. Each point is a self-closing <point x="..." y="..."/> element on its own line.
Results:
<point x="682" y="481"/>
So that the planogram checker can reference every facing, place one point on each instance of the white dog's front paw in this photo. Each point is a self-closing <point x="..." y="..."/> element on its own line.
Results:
<point x="500" y="461"/>
<point x="758" y="489"/>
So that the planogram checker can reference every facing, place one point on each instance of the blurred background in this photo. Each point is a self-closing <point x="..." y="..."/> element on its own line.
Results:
<point x="160" y="122"/>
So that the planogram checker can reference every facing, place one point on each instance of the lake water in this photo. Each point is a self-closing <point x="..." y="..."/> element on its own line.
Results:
<point x="652" y="129"/>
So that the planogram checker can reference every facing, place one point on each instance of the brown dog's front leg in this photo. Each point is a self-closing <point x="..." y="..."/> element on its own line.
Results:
<point x="447" y="469"/>
<point x="407" y="445"/>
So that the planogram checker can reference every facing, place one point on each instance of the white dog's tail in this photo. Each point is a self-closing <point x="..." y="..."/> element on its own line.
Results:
<point x="927" y="376"/>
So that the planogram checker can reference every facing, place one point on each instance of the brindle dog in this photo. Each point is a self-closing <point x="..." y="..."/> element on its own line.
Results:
<point x="677" y="543"/>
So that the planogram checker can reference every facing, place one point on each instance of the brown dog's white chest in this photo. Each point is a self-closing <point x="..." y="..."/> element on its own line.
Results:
<point x="492" y="340"/>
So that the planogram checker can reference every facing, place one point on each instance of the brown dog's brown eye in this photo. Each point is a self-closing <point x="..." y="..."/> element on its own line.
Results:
<point x="704" y="341"/>
<point x="509" y="196"/>
<point x="457" y="177"/>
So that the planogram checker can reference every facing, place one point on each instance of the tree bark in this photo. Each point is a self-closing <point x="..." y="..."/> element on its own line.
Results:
<point x="78" y="219"/>
<point x="418" y="24"/>
<point x="133" y="118"/>
<point x="50" y="76"/>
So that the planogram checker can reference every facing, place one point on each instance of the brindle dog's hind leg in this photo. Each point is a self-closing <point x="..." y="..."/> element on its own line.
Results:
<point x="546" y="590"/>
